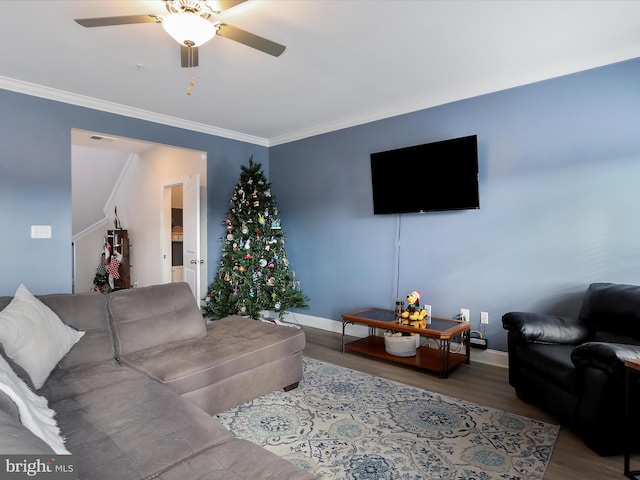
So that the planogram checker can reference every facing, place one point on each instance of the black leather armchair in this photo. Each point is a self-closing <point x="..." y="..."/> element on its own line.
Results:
<point x="574" y="368"/>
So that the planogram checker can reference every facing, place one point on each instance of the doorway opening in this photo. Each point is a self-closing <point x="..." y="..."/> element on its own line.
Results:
<point x="176" y="233"/>
<point x="182" y="220"/>
<point x="132" y="177"/>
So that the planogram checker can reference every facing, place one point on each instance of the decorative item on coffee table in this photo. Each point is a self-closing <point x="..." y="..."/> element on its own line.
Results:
<point x="414" y="315"/>
<point x="404" y="344"/>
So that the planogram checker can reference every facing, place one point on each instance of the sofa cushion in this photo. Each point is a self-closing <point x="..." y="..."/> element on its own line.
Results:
<point x="8" y="406"/>
<point x="551" y="362"/>
<point x="233" y="345"/>
<point x="122" y="424"/>
<point x="19" y="371"/>
<point x="150" y="316"/>
<point x="236" y="460"/>
<point x="68" y="383"/>
<point x="34" y="336"/>
<point x="16" y="439"/>
<point x="87" y="312"/>
<point x="614" y="309"/>
<point x="33" y="411"/>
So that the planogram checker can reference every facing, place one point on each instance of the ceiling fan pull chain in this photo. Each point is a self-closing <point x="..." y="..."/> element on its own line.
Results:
<point x="191" y="82"/>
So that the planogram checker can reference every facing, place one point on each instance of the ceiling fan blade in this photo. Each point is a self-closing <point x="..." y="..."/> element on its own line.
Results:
<point x="188" y="56"/>
<point x="124" y="20"/>
<point x="222" y="5"/>
<point x="249" y="39"/>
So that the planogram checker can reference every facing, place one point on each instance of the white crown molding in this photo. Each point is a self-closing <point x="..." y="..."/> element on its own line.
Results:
<point x="476" y="90"/>
<point x="110" y="107"/>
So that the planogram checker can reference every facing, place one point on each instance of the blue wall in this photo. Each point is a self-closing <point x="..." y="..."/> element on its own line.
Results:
<point x="560" y="208"/>
<point x="35" y="183"/>
<point x="559" y="194"/>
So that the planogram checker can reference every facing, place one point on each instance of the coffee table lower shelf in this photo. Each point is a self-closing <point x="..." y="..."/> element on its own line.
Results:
<point x="425" y="358"/>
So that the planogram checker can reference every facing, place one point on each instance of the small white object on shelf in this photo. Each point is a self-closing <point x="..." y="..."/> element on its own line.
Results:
<point x="399" y="345"/>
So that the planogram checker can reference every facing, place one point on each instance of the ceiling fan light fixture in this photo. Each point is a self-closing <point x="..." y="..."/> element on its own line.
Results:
<point x="188" y="28"/>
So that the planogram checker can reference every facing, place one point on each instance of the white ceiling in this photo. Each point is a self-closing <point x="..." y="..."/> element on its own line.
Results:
<point x="347" y="61"/>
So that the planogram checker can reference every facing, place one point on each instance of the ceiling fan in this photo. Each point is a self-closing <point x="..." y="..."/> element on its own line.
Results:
<point x="192" y="23"/>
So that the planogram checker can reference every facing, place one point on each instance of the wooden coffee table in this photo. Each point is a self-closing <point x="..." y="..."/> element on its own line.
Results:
<point x="442" y="330"/>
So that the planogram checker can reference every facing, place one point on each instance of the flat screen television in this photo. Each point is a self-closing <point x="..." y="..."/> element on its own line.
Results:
<point x="432" y="177"/>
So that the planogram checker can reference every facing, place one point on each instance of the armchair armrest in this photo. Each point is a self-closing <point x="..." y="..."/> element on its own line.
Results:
<point x="608" y="357"/>
<point x="535" y="327"/>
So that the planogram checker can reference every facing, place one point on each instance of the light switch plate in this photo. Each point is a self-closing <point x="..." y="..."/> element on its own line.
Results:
<point x="40" y="231"/>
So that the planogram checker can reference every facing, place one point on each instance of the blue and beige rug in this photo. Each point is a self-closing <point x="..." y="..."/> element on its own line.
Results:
<point x="343" y="424"/>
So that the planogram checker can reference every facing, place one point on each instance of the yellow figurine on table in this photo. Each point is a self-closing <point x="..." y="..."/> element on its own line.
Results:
<point x="413" y="315"/>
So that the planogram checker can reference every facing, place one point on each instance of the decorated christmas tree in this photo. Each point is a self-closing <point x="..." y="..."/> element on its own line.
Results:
<point x="253" y="273"/>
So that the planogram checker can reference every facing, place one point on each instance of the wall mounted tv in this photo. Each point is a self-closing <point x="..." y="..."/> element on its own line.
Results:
<point x="425" y="178"/>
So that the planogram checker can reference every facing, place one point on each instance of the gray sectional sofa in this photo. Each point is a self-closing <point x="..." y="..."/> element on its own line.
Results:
<point x="134" y="397"/>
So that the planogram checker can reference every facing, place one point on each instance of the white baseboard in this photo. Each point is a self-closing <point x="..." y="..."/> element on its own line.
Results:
<point x="490" y="357"/>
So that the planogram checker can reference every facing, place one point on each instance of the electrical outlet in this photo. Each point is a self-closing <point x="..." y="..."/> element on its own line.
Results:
<point x="427" y="317"/>
<point x="464" y="314"/>
<point x="484" y="318"/>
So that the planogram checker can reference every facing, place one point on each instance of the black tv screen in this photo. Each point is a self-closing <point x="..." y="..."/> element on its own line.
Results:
<point x="425" y="178"/>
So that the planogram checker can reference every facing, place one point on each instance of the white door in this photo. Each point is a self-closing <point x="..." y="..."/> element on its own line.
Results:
<point x="191" y="255"/>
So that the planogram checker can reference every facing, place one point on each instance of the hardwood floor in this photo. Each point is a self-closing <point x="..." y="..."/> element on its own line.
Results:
<point x="482" y="384"/>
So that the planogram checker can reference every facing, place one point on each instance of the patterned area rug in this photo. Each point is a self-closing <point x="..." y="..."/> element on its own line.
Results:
<point x="343" y="424"/>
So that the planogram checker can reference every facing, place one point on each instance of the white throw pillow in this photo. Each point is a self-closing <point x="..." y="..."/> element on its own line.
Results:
<point x="33" y="336"/>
